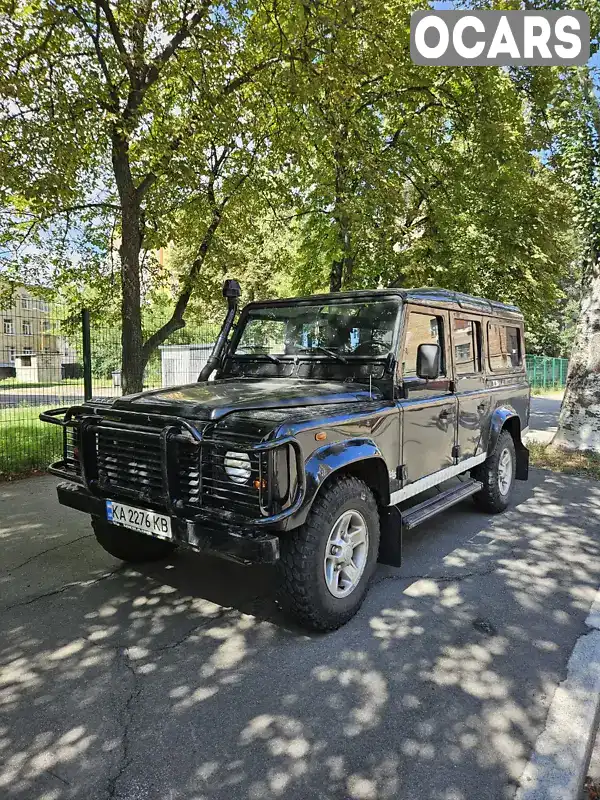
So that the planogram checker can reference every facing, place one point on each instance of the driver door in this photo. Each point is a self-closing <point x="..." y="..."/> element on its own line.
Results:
<point x="429" y="407"/>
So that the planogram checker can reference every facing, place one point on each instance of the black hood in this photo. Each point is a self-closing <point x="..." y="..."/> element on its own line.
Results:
<point x="215" y="399"/>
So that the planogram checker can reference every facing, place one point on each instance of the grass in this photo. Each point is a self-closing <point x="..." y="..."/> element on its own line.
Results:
<point x="558" y="459"/>
<point x="548" y="391"/>
<point x="12" y="383"/>
<point x="26" y="443"/>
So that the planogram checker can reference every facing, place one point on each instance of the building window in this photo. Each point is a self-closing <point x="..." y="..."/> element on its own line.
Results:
<point x="504" y="347"/>
<point x="27" y="351"/>
<point x="11" y="354"/>
<point x="27" y="329"/>
<point x="26" y="303"/>
<point x="9" y="327"/>
<point x="25" y="361"/>
<point x="46" y="325"/>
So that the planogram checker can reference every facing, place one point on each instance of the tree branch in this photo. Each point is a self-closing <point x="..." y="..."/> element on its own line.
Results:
<point x="118" y="38"/>
<point x="95" y="37"/>
<point x="140" y="83"/>
<point x="176" y="322"/>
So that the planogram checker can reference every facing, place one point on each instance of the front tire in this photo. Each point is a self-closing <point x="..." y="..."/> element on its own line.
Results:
<point x="129" y="545"/>
<point x="327" y="563"/>
<point x="497" y="474"/>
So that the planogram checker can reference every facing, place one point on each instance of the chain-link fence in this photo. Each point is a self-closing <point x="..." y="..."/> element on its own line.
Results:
<point x="177" y="361"/>
<point x="545" y="372"/>
<point x="42" y="367"/>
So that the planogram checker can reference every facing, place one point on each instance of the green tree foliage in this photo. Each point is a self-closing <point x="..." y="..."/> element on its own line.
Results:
<point x="405" y="175"/>
<point x="127" y="117"/>
<point x="576" y="117"/>
<point x="294" y="146"/>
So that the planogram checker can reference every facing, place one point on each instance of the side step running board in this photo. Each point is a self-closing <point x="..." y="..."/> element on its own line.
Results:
<point x="429" y="508"/>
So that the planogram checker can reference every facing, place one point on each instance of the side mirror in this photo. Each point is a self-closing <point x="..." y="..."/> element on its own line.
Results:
<point x="428" y="361"/>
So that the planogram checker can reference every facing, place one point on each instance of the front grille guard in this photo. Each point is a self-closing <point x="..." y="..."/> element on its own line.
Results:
<point x="172" y="429"/>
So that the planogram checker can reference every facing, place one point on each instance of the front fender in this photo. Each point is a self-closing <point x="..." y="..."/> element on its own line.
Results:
<point x="329" y="459"/>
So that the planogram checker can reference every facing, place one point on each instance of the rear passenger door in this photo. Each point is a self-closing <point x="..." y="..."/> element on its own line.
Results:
<point x="470" y="383"/>
<point x="429" y="406"/>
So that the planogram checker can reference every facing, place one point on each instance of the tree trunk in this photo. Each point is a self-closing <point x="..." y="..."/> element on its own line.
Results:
<point x="341" y="268"/>
<point x="579" y="421"/>
<point x="132" y="351"/>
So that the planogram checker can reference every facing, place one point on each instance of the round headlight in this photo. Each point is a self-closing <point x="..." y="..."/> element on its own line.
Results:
<point x="237" y="466"/>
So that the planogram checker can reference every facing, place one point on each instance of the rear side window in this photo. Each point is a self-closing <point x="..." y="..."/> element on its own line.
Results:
<point x="504" y="347"/>
<point x="466" y="335"/>
<point x="422" y="329"/>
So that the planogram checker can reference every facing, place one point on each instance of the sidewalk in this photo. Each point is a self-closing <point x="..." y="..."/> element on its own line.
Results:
<point x="183" y="680"/>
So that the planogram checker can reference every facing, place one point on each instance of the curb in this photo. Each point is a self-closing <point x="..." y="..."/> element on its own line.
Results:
<point x="557" y="767"/>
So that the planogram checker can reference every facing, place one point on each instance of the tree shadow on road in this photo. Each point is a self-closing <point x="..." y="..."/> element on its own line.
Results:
<point x="183" y="680"/>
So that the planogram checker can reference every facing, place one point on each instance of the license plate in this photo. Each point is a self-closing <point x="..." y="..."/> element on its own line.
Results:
<point x="139" y="519"/>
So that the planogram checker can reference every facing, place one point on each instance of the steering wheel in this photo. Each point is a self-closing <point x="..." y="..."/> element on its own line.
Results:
<point x="374" y="347"/>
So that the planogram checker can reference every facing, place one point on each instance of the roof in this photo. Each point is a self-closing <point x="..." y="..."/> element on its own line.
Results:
<point x="422" y="296"/>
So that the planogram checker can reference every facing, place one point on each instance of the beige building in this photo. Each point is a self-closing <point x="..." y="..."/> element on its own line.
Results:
<point x="26" y="329"/>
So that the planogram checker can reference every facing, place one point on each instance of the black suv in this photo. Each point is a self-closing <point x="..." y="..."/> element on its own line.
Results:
<point x="316" y="432"/>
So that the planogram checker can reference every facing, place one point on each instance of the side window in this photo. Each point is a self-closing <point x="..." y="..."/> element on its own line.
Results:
<point x="422" y="329"/>
<point x="466" y="338"/>
<point x="504" y="346"/>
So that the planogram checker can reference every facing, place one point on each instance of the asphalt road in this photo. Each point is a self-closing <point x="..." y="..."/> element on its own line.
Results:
<point x="182" y="681"/>
<point x="544" y="417"/>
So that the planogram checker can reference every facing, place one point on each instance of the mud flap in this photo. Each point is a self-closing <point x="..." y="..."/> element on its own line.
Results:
<point x="390" y="543"/>
<point x="522" y="469"/>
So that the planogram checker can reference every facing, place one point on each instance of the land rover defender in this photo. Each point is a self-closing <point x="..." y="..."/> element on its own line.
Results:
<point x="319" y="429"/>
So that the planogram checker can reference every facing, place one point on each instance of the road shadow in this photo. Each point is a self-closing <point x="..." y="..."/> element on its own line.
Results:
<point x="183" y="681"/>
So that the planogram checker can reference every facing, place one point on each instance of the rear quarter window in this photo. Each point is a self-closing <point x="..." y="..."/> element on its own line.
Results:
<point x="505" y="348"/>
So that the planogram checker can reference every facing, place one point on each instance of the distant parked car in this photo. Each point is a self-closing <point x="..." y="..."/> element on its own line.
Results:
<point x="328" y="417"/>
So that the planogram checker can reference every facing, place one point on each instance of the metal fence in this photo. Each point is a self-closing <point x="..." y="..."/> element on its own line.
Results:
<point x="42" y="366"/>
<point x="545" y="372"/>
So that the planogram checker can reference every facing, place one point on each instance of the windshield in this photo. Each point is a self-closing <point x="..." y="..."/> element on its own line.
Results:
<point x="332" y="330"/>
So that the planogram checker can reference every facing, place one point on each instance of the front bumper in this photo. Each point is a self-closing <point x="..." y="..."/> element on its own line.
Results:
<point x="242" y="545"/>
<point x="169" y="431"/>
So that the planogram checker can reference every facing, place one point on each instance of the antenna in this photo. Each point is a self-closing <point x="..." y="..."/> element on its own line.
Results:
<point x="370" y="384"/>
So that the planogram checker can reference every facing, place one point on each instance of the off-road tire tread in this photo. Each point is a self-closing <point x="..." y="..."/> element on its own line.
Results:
<point x="298" y="548"/>
<point x="128" y="545"/>
<point x="490" y="498"/>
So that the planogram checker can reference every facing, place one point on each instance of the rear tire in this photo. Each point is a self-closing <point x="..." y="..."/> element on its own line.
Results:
<point x="327" y="563"/>
<point x="497" y="474"/>
<point x="129" y="545"/>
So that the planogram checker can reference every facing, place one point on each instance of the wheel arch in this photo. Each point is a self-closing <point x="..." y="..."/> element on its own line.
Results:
<point x="359" y="458"/>
<point x="507" y="419"/>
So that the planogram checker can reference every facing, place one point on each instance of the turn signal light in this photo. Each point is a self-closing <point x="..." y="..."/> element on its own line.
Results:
<point x="320" y="436"/>
<point x="260" y="483"/>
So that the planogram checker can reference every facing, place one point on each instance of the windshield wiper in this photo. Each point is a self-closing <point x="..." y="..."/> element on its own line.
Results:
<point x="325" y="350"/>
